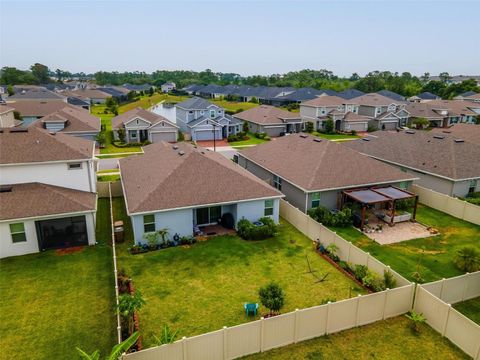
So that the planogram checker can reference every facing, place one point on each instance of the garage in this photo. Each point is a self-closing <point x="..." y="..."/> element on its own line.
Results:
<point x="390" y="125"/>
<point x="169" y="136"/>
<point x="207" y="135"/>
<point x="61" y="232"/>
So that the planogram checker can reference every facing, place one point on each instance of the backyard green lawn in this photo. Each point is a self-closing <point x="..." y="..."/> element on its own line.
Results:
<point x="53" y="303"/>
<point x="251" y="141"/>
<point x="389" y="339"/>
<point x="435" y="254"/>
<point x="234" y="105"/>
<point x="203" y="287"/>
<point x="336" y="136"/>
<point x="470" y="308"/>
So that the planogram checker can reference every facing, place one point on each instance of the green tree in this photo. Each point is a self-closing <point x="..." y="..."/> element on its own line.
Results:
<point x="272" y="297"/>
<point x="17" y="115"/>
<point x="329" y="126"/>
<point x="121" y="135"/>
<point x="467" y="259"/>
<point x="309" y="127"/>
<point x="421" y="123"/>
<point x="245" y="127"/>
<point x="10" y="90"/>
<point x="117" y="350"/>
<point x="40" y="72"/>
<point x="128" y="304"/>
<point x="100" y="138"/>
<point x="444" y="77"/>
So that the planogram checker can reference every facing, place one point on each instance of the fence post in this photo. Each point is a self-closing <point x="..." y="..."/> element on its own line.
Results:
<point x="385" y="299"/>
<point x="441" y="289"/>
<point x="184" y="347"/>
<point x="357" y="311"/>
<point x="225" y="350"/>
<point x="444" y="330"/>
<point x="295" y="327"/>
<point x="465" y="285"/>
<point x="262" y="334"/>
<point x="349" y="249"/>
<point x="326" y="317"/>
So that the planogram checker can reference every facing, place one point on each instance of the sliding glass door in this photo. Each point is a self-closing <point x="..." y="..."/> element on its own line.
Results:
<point x="208" y="215"/>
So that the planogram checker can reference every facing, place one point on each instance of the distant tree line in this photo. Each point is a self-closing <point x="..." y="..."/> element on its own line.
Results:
<point x="405" y="83"/>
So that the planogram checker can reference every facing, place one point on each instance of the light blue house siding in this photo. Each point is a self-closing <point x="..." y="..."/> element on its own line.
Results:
<point x="182" y="221"/>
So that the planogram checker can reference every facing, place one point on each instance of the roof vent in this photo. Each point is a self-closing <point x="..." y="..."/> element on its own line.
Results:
<point x="317" y="140"/>
<point x="438" y="137"/>
<point x="303" y="136"/>
<point x="365" y="139"/>
<point x="175" y="147"/>
<point x="181" y="153"/>
<point x="5" y="188"/>
<point x="459" y="141"/>
<point x="19" y="130"/>
<point x="410" y="132"/>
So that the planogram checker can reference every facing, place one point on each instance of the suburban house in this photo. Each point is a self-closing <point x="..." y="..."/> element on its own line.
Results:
<point x="141" y="125"/>
<point x="92" y="96"/>
<point x="73" y="121"/>
<point x="424" y="110"/>
<point x="167" y="87"/>
<point x="473" y="98"/>
<point x="467" y="132"/>
<point x="424" y="97"/>
<point x="299" y="95"/>
<point x="47" y="191"/>
<point x="78" y="102"/>
<point x="203" y="120"/>
<point x="391" y="95"/>
<point x="343" y="113"/>
<point x="455" y="111"/>
<point x="350" y="93"/>
<point x="464" y="95"/>
<point x="312" y="171"/>
<point x="138" y="88"/>
<point x="38" y="94"/>
<point x="117" y="92"/>
<point x="384" y="112"/>
<point x="187" y="189"/>
<point x="7" y="119"/>
<point x="441" y="162"/>
<point x="270" y="120"/>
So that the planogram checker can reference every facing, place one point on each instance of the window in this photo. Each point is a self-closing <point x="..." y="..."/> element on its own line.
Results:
<point x="277" y="182"/>
<point x="17" y="231"/>
<point x="472" y="186"/>
<point x="212" y="113"/>
<point x="208" y="215"/>
<point x="133" y="134"/>
<point x="315" y="199"/>
<point x="137" y="122"/>
<point x="149" y="223"/>
<point x="268" y="208"/>
<point x="74" y="166"/>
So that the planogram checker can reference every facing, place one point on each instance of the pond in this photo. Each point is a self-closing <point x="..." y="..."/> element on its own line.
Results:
<point x="167" y="112"/>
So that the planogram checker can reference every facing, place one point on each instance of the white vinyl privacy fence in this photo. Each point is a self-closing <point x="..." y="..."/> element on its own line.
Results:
<point x="458" y="208"/>
<point x="265" y="334"/>
<point x="434" y="301"/>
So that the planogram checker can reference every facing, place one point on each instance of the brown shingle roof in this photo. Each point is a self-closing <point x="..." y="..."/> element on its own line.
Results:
<point x="328" y="101"/>
<point x="468" y="132"/>
<point x="424" y="110"/>
<point x="454" y="107"/>
<point x="37" y="199"/>
<point x="77" y="119"/>
<point x="354" y="117"/>
<point x="315" y="165"/>
<point x="87" y="94"/>
<point x="5" y="108"/>
<point x="37" y="145"/>
<point x="162" y="179"/>
<point x="121" y="119"/>
<point x="420" y="150"/>
<point x="38" y="108"/>
<point x="266" y="114"/>
<point x="373" y="99"/>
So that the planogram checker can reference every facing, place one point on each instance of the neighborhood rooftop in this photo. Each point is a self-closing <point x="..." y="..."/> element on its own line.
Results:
<point x="76" y="119"/>
<point x="149" y="116"/>
<point x="468" y="132"/>
<point x="441" y="154"/>
<point x="18" y="146"/>
<point x="178" y="176"/>
<point x="266" y="114"/>
<point x="374" y="99"/>
<point x="37" y="107"/>
<point x="36" y="94"/>
<point x="194" y="103"/>
<point x="21" y="201"/>
<point x="315" y="164"/>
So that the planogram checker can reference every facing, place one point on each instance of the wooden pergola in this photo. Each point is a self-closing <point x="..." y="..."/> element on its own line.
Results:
<point x="376" y="195"/>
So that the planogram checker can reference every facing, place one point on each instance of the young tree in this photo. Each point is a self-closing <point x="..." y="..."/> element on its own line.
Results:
<point x="117" y="350"/>
<point x="272" y="297"/>
<point x="128" y="304"/>
<point x="421" y="123"/>
<point x="245" y="127"/>
<point x="10" y="90"/>
<point x="309" y="127"/>
<point x="150" y="91"/>
<point x="467" y="259"/>
<point x="40" y="72"/>
<point x="100" y="138"/>
<point x="329" y="126"/>
<point x="121" y="134"/>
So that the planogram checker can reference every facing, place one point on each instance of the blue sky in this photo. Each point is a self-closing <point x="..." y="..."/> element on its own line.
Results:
<point x="247" y="37"/>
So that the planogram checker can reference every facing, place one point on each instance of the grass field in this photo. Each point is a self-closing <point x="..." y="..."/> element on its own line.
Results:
<point x="202" y="288"/>
<point x="391" y="339"/>
<point x="233" y="105"/>
<point x="53" y="303"/>
<point x="251" y="141"/>
<point x="470" y="308"/>
<point x="435" y="254"/>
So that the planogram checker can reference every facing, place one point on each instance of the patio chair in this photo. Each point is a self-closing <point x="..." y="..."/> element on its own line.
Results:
<point x="250" y="308"/>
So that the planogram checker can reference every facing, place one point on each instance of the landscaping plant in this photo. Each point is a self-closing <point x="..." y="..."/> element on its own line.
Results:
<point x="128" y="304"/>
<point x="416" y="320"/>
<point x="467" y="259"/>
<point x="117" y="350"/>
<point x="168" y="336"/>
<point x="389" y="280"/>
<point x="248" y="231"/>
<point x="272" y="297"/>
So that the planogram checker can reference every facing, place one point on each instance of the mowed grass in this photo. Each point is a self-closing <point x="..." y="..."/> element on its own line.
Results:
<point x="251" y="141"/>
<point x="470" y="308"/>
<point x="53" y="303"/>
<point x="434" y="254"/>
<point x="203" y="287"/>
<point x="389" y="339"/>
<point x="234" y="105"/>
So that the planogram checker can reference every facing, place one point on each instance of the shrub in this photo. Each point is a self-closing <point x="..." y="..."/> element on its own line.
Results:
<point x="467" y="259"/>
<point x="260" y="135"/>
<point x="248" y="231"/>
<point x="360" y="272"/>
<point x="353" y="132"/>
<point x="405" y="204"/>
<point x="181" y="137"/>
<point x="389" y="280"/>
<point x="373" y="281"/>
<point x="329" y="126"/>
<point x="309" y="127"/>
<point x="341" y="218"/>
<point x="272" y="297"/>
<point x="371" y="128"/>
<point x="416" y="320"/>
<point x="232" y="137"/>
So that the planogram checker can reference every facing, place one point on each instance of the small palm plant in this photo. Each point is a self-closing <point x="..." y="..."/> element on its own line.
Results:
<point x="467" y="259"/>
<point x="168" y="336"/>
<point x="416" y="320"/>
<point x="163" y="234"/>
<point x="128" y="304"/>
<point x="117" y="350"/>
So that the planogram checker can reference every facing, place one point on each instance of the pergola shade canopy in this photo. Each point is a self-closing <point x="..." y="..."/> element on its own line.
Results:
<point x="378" y="195"/>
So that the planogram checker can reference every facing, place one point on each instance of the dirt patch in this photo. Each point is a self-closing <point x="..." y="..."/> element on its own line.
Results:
<point x="70" y="250"/>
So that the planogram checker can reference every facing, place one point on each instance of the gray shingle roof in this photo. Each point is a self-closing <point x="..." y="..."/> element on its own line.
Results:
<point x="194" y="103"/>
<point x="391" y="95"/>
<point x="36" y="94"/>
<point x="350" y="93"/>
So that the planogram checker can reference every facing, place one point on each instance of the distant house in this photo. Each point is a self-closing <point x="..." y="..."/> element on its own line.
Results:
<point x="384" y="112"/>
<point x="7" y="119"/>
<point x="455" y="111"/>
<point x="38" y="94"/>
<point x="138" y="88"/>
<point x="182" y="187"/>
<point x="270" y="120"/>
<point x="350" y="93"/>
<point x="299" y="95"/>
<point x="47" y="191"/>
<point x="168" y="87"/>
<point x="72" y="121"/>
<point x="311" y="171"/>
<point x="457" y="79"/>
<point x="423" y="97"/>
<point x="343" y="113"/>
<point x="117" y="92"/>
<point x="441" y="162"/>
<point x="426" y="111"/>
<point x="141" y="125"/>
<point x="465" y="95"/>
<point x="203" y="120"/>
<point x="78" y="102"/>
<point x="93" y="96"/>
<point x="391" y="95"/>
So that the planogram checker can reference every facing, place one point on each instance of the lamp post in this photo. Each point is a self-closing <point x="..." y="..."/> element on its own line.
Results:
<point x="214" y="140"/>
